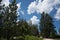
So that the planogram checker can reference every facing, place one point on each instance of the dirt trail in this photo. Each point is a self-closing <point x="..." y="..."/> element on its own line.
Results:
<point x="48" y="39"/>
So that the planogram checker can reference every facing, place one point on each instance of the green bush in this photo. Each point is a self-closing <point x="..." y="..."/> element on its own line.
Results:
<point x="32" y="38"/>
<point x="18" y="38"/>
<point x="26" y="37"/>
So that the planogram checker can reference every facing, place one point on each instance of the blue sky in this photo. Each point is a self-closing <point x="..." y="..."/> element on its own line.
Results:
<point x="32" y="9"/>
<point x="25" y="4"/>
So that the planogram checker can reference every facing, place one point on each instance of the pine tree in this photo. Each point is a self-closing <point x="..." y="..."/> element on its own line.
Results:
<point x="23" y="27"/>
<point x="59" y="30"/>
<point x="1" y="18"/>
<point x="9" y="20"/>
<point x="0" y="14"/>
<point x="46" y="26"/>
<point x="34" y="30"/>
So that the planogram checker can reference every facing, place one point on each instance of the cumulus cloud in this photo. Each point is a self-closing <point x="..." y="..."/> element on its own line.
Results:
<point x="57" y="16"/>
<point x="40" y="6"/>
<point x="32" y="7"/>
<point x="6" y="2"/>
<point x="34" y="20"/>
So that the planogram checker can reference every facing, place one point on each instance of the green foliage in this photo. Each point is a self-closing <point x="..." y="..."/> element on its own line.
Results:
<point x="8" y="19"/>
<point x="59" y="30"/>
<point x="0" y="0"/>
<point x="10" y="29"/>
<point x="26" y="37"/>
<point x="26" y="29"/>
<point x="32" y="38"/>
<point x="33" y="30"/>
<point x="1" y="16"/>
<point x="23" y="25"/>
<point x="46" y="26"/>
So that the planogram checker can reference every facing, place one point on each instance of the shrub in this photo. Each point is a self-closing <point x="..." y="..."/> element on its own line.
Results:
<point x="32" y="38"/>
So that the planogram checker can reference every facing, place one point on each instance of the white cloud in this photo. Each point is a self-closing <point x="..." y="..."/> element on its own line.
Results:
<point x="40" y="6"/>
<point x="18" y="13"/>
<point x="35" y="20"/>
<point x="6" y="2"/>
<point x="19" y="7"/>
<point x="22" y="12"/>
<point x="32" y="7"/>
<point x="57" y="16"/>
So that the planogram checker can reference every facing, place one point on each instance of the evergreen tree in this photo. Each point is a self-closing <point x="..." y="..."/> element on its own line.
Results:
<point x="0" y="22"/>
<point x="34" y="30"/>
<point x="23" y="27"/>
<point x="59" y="30"/>
<point x="0" y="14"/>
<point x="9" y="21"/>
<point x="46" y="26"/>
<point x="1" y="18"/>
